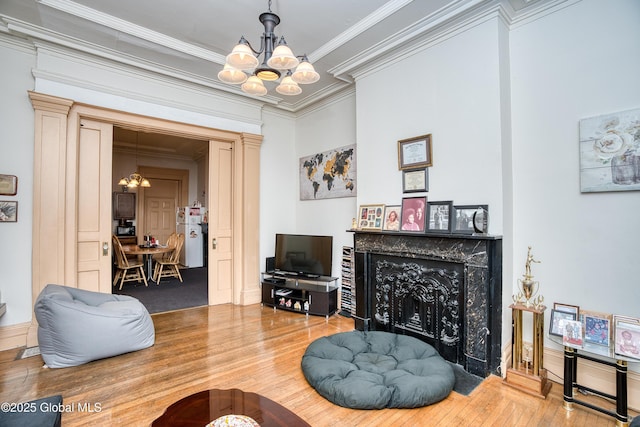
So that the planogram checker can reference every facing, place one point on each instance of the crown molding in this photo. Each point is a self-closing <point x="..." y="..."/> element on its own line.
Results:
<point x="140" y="74"/>
<point x="527" y="11"/>
<point x="445" y="24"/>
<point x="402" y="40"/>
<point x="315" y="97"/>
<point x="360" y="27"/>
<point x="134" y="30"/>
<point x="334" y="98"/>
<point x="438" y="35"/>
<point x="16" y="43"/>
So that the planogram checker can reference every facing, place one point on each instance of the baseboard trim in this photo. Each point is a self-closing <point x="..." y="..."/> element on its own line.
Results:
<point x="14" y="336"/>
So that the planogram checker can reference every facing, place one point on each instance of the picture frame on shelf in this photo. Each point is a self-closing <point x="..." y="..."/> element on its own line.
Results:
<point x="415" y="180"/>
<point x="439" y="215"/>
<point x="392" y="215"/>
<point x="627" y="336"/>
<point x="567" y="308"/>
<point x="413" y="214"/>
<point x="572" y="334"/>
<point x="370" y="217"/>
<point x="597" y="328"/>
<point x="468" y="220"/>
<point x="415" y="152"/>
<point x="557" y="321"/>
<point x="8" y="185"/>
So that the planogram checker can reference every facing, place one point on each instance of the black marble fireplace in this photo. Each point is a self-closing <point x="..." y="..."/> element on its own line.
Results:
<point x="443" y="289"/>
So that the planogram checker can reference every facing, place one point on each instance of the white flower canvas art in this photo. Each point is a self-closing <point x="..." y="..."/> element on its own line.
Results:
<point x="610" y="152"/>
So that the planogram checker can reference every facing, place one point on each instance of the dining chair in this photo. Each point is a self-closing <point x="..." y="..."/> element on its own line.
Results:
<point x="172" y="242"/>
<point x="127" y="270"/>
<point x="169" y="267"/>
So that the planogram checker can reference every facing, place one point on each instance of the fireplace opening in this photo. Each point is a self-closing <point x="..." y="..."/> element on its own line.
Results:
<point x="421" y="298"/>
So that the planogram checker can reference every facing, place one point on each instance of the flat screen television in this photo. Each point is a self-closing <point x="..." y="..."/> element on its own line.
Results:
<point x="304" y="255"/>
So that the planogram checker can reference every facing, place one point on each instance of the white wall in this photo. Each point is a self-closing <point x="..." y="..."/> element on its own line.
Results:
<point x="455" y="96"/>
<point x="16" y="158"/>
<point x="458" y="96"/>
<point x="579" y="62"/>
<point x="470" y="90"/>
<point x="328" y="126"/>
<point x="278" y="181"/>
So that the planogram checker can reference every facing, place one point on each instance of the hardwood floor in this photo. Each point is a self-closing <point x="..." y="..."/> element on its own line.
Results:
<point x="254" y="349"/>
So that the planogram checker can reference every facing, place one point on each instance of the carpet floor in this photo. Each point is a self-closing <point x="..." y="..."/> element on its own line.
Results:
<point x="171" y="294"/>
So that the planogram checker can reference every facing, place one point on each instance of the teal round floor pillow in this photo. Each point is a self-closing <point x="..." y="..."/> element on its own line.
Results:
<point x="374" y="370"/>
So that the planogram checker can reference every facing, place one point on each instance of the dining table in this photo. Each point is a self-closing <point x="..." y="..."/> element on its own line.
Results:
<point x="147" y="253"/>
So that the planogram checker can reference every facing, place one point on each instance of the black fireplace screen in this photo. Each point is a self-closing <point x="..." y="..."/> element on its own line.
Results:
<point x="422" y="298"/>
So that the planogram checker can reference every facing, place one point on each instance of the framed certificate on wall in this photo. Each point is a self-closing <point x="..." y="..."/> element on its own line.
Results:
<point x="415" y="152"/>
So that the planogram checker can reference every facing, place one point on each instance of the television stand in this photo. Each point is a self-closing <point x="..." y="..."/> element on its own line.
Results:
<point x="309" y="295"/>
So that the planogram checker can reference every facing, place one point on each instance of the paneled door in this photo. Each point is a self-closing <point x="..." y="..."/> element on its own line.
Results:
<point x="93" y="189"/>
<point x="160" y="217"/>
<point x="220" y="244"/>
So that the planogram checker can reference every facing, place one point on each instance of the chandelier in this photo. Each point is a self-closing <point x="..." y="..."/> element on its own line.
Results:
<point x="134" y="180"/>
<point x="243" y="59"/>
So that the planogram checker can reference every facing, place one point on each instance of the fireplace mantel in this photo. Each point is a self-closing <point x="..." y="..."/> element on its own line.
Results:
<point x="445" y="289"/>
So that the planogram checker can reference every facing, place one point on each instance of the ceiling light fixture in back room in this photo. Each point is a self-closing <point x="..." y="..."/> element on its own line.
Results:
<point x="135" y="179"/>
<point x="276" y="61"/>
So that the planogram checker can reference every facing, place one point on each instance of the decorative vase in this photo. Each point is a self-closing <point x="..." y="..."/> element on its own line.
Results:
<point x="624" y="169"/>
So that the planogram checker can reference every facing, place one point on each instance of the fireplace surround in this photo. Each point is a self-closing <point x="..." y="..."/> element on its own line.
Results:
<point x="445" y="289"/>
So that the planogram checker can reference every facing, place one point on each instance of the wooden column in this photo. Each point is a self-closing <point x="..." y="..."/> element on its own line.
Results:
<point x="250" y="292"/>
<point x="49" y="169"/>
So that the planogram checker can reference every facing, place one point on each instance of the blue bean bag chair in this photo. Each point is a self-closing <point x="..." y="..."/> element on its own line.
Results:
<point x="76" y="326"/>
<point x="374" y="370"/>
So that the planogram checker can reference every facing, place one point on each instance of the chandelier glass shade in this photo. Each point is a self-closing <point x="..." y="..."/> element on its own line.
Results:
<point x="254" y="86"/>
<point x="288" y="86"/>
<point x="278" y="59"/>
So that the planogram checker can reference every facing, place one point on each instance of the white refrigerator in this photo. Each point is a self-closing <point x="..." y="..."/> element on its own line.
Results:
<point x="188" y="220"/>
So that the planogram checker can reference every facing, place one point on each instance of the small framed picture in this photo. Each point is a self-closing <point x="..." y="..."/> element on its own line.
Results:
<point x="392" y="217"/>
<point x="470" y="219"/>
<point x="8" y="211"/>
<point x="567" y="308"/>
<point x="597" y="328"/>
<point x="627" y="336"/>
<point x="370" y="217"/>
<point x="8" y="185"/>
<point x="413" y="213"/>
<point x="439" y="216"/>
<point x="557" y="321"/>
<point x="572" y="333"/>
<point x="415" y="180"/>
<point x="415" y="152"/>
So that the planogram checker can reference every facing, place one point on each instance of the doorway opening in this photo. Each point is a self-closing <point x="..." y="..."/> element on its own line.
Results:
<point x="177" y="169"/>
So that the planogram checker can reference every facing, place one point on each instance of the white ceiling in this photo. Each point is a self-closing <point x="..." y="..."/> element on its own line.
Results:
<point x="193" y="37"/>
